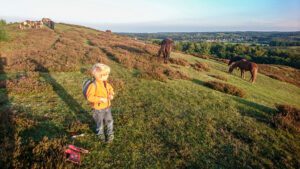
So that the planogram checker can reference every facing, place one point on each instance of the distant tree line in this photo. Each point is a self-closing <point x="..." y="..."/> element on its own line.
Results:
<point x="267" y="38"/>
<point x="256" y="53"/>
<point x="284" y="43"/>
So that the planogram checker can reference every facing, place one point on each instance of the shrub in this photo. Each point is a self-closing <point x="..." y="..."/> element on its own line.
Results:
<point x="221" y="60"/>
<point x="2" y="84"/>
<point x="21" y="152"/>
<point x="153" y="72"/>
<point x="77" y="127"/>
<point x="48" y="153"/>
<point x="281" y="73"/>
<point x="27" y="83"/>
<point x="200" y="66"/>
<point x="175" y="74"/>
<point x="179" y="61"/>
<point x="200" y="56"/>
<point x="225" y="88"/>
<point x="287" y="117"/>
<point x="277" y="77"/>
<point x="161" y="73"/>
<point x="151" y="49"/>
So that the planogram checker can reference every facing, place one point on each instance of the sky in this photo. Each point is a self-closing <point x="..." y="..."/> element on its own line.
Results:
<point x="161" y="15"/>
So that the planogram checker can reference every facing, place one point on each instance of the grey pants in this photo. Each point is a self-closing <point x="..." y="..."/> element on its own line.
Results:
<point x="103" y="117"/>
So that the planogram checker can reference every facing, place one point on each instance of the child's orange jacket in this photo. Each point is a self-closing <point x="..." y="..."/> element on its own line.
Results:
<point x="94" y="94"/>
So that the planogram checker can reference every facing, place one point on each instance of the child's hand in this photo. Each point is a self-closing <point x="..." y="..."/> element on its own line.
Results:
<point x="103" y="100"/>
<point x="110" y="97"/>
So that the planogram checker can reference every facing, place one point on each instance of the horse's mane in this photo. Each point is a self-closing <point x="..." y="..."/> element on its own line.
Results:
<point x="167" y="41"/>
<point x="234" y="59"/>
<point x="236" y="64"/>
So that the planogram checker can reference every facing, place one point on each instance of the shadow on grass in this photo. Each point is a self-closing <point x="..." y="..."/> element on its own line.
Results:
<point x="199" y="82"/>
<point x="7" y="126"/>
<point x="59" y="90"/>
<point x="130" y="49"/>
<point x="73" y="105"/>
<point x="251" y="109"/>
<point x="110" y="55"/>
<point x="248" y="108"/>
<point x="27" y="140"/>
<point x="44" y="127"/>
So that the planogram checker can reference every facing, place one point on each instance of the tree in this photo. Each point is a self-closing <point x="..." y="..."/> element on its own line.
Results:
<point x="219" y="50"/>
<point x="239" y="49"/>
<point x="191" y="47"/>
<point x="204" y="48"/>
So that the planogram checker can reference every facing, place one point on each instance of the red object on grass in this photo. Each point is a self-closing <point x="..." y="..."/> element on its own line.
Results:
<point x="72" y="153"/>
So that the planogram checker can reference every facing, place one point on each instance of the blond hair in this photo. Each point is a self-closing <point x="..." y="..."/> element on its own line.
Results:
<point x="100" y="68"/>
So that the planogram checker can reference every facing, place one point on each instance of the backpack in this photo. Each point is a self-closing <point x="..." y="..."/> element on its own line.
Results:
<point x="85" y="86"/>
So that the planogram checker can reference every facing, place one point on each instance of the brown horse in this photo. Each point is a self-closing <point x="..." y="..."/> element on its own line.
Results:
<point x="165" y="49"/>
<point x="245" y="65"/>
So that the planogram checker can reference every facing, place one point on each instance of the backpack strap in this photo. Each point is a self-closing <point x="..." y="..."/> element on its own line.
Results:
<point x="105" y="85"/>
<point x="105" y="82"/>
<point x="94" y="81"/>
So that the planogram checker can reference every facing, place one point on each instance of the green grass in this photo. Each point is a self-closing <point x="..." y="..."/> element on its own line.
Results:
<point x="180" y="123"/>
<point x="173" y="124"/>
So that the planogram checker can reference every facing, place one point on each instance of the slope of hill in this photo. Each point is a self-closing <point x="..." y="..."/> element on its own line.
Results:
<point x="164" y="115"/>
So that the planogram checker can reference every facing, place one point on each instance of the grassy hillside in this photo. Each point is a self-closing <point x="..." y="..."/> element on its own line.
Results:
<point x="164" y="115"/>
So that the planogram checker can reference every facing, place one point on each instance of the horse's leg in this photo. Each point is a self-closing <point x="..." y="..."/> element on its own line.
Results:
<point x="168" y="54"/>
<point x="242" y="73"/>
<point x="165" y="56"/>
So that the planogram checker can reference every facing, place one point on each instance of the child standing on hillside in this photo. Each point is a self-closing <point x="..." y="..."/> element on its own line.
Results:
<point x="100" y="95"/>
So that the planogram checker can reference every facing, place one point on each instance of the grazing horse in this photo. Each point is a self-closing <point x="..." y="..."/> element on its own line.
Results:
<point x="245" y="65"/>
<point x="234" y="59"/>
<point x="48" y="22"/>
<point x="165" y="49"/>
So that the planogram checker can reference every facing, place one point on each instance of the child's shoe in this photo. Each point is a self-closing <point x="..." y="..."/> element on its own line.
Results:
<point x="101" y="137"/>
<point x="110" y="138"/>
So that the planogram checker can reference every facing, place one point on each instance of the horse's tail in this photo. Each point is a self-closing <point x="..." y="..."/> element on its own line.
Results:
<point x="254" y="74"/>
<point x="162" y="49"/>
